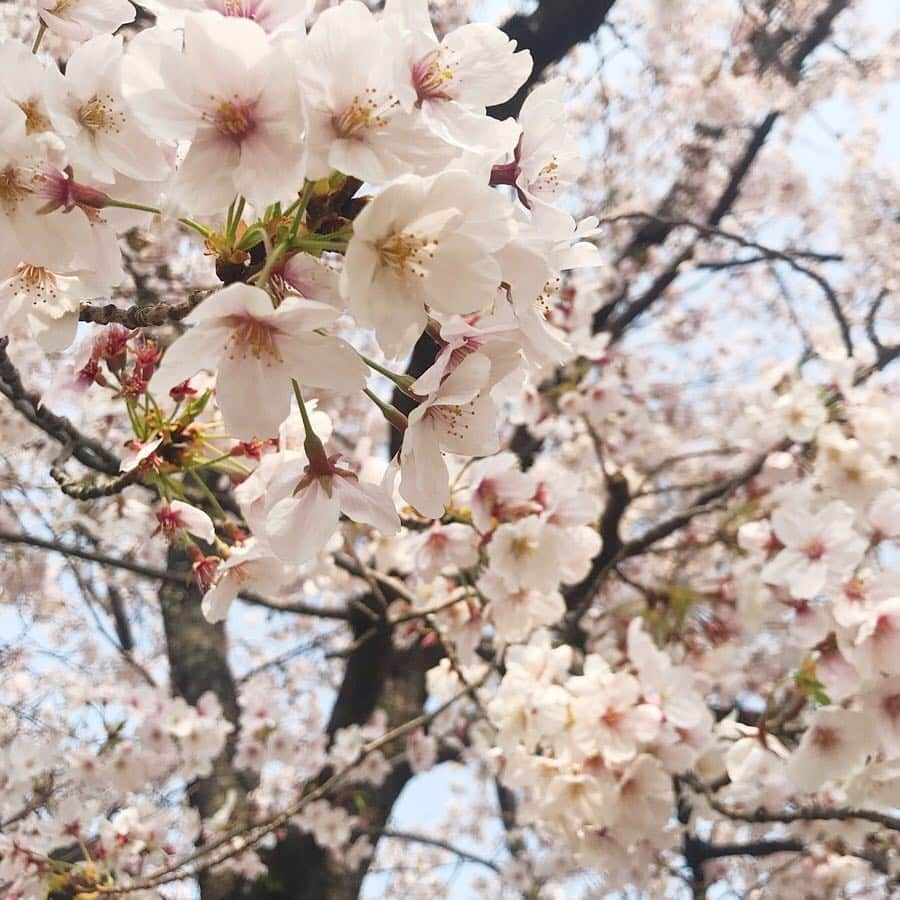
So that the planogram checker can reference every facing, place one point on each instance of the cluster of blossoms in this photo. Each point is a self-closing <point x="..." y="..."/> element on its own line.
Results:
<point x="594" y="754"/>
<point x="637" y="634"/>
<point x="257" y="136"/>
<point x="518" y="538"/>
<point x="144" y="737"/>
<point x="461" y="238"/>
<point x="822" y="561"/>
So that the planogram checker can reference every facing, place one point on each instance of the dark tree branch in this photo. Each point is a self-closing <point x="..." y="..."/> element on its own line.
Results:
<point x="86" y="450"/>
<point x="141" y="316"/>
<point x="464" y="855"/>
<point x="697" y="851"/>
<point x="700" y="505"/>
<point x="91" y="488"/>
<point x="657" y="233"/>
<point x="179" y="578"/>
<point x="198" y="662"/>
<point x="882" y="351"/>
<point x="550" y="32"/>
<point x="811" y="812"/>
<point x="580" y="597"/>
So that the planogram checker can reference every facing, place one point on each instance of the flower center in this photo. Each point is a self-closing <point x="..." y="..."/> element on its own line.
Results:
<point x="35" y="120"/>
<point x="406" y="253"/>
<point x="432" y="76"/>
<point x="12" y="189"/>
<point x="547" y="180"/>
<point x="612" y="718"/>
<point x="233" y="119"/>
<point x="362" y="114"/>
<point x="815" y="549"/>
<point x="254" y="337"/>
<point x="245" y="9"/>
<point x="826" y="739"/>
<point x="100" y="114"/>
<point x="169" y="521"/>
<point x="452" y="418"/>
<point x="891" y="705"/>
<point x="36" y="282"/>
<point x="522" y="547"/>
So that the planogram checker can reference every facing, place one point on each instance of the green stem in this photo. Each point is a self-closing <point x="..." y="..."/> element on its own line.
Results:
<point x="389" y="411"/>
<point x="143" y="207"/>
<point x="315" y="449"/>
<point x="229" y="216"/>
<point x="225" y="457"/>
<point x="40" y="36"/>
<point x="404" y="382"/>
<point x="307" y="425"/>
<point x="127" y="204"/>
<point x="204" y="487"/>
<point x="313" y="244"/>
<point x="236" y="218"/>
<point x="271" y="261"/>
<point x="200" y="229"/>
<point x="303" y="203"/>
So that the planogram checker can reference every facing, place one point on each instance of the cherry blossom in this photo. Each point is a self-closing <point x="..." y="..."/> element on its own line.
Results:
<point x="456" y="79"/>
<point x="247" y="343"/>
<point x="816" y="547"/>
<point x="79" y="20"/>
<point x="360" y="100"/>
<point x="298" y="526"/>
<point x="424" y="242"/>
<point x="835" y="746"/>
<point x="458" y="417"/>
<point x="219" y="92"/>
<point x="251" y="567"/>
<point x="399" y="394"/>
<point x="102" y="135"/>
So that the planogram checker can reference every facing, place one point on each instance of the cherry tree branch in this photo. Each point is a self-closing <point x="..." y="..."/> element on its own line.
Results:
<point x="89" y="489"/>
<point x="807" y="813"/>
<point x="465" y="855"/>
<point x="550" y="32"/>
<point x="141" y="316"/>
<point x="206" y="856"/>
<point x="604" y="319"/>
<point x="700" y="506"/>
<point x="711" y="231"/>
<point x="86" y="450"/>
<point x="580" y="597"/>
<point x="163" y="575"/>
<point x="701" y="851"/>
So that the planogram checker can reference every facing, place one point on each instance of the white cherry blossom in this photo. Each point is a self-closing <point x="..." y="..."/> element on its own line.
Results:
<point x="360" y="101"/>
<point x="834" y="747"/>
<point x="79" y="20"/>
<point x="234" y="95"/>
<point x="99" y="126"/>
<point x="254" y="348"/>
<point x="459" y="417"/>
<point x="456" y="79"/>
<point x="424" y="242"/>
<point x="817" y="546"/>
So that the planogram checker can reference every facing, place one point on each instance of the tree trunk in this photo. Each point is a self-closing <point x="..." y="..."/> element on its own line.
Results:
<point x="198" y="662"/>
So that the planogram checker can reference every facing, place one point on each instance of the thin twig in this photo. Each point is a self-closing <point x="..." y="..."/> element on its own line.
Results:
<point x="431" y="842"/>
<point x="141" y="316"/>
